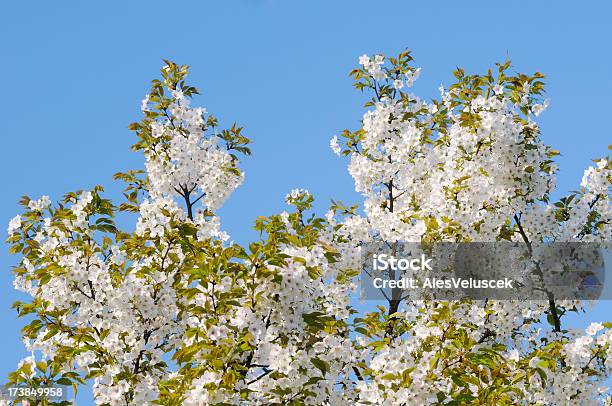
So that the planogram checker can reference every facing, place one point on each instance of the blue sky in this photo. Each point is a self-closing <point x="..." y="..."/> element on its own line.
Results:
<point x="74" y="74"/>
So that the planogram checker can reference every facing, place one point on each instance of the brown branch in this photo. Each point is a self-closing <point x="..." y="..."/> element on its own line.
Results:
<point x="551" y="298"/>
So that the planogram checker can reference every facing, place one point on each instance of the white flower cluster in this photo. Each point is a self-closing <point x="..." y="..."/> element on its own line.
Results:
<point x="373" y="66"/>
<point x="186" y="161"/>
<point x="155" y="216"/>
<point x="14" y="225"/>
<point x="40" y="204"/>
<point x="333" y="144"/>
<point x="473" y="179"/>
<point x="296" y="194"/>
<point x="288" y="302"/>
<point x="35" y="205"/>
<point x="78" y="209"/>
<point x="594" y="199"/>
<point x="135" y="312"/>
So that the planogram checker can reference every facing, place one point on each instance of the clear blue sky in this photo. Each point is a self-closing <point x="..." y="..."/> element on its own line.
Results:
<point x="74" y="74"/>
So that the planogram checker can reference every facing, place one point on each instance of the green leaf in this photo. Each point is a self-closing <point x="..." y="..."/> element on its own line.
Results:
<point x="320" y="364"/>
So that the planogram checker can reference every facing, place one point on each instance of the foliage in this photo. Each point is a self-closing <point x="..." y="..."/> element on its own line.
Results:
<point x="172" y="313"/>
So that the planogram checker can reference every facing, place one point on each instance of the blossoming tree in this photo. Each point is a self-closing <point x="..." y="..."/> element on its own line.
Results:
<point x="172" y="313"/>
